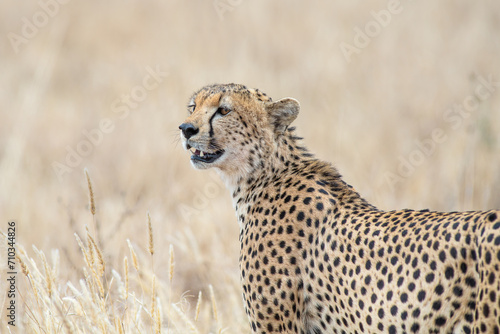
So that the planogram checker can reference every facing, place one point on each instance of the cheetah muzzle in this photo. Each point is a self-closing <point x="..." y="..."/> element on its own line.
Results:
<point x="199" y="153"/>
<point x="315" y="257"/>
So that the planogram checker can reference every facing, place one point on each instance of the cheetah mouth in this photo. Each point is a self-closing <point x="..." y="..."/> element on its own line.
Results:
<point x="203" y="156"/>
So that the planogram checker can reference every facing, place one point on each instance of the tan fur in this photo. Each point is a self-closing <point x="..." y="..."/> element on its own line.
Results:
<point x="316" y="257"/>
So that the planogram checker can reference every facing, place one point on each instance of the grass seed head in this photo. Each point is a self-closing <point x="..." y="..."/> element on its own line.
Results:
<point x="119" y="326"/>
<point x="101" y="265"/>
<point x="134" y="256"/>
<point x="48" y="274"/>
<point x="158" y="320"/>
<point x="198" y="305"/>
<point x="153" y="297"/>
<point x="151" y="248"/>
<point x="24" y="267"/>
<point x="86" y="254"/>
<point x="214" y="304"/>
<point x="91" y="192"/>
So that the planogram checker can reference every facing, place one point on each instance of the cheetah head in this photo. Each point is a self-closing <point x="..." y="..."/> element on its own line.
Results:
<point x="232" y="128"/>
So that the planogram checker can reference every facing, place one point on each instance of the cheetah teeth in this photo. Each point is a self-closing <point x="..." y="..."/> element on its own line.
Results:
<point x="198" y="152"/>
<point x="205" y="157"/>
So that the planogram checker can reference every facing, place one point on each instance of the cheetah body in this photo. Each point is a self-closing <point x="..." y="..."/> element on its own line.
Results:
<point x="316" y="257"/>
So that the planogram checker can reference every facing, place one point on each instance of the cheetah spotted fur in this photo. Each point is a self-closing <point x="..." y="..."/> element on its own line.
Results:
<point x="315" y="256"/>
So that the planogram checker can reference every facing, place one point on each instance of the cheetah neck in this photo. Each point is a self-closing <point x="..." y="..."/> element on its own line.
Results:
<point x="287" y="159"/>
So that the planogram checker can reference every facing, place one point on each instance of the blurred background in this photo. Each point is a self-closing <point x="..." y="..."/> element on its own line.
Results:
<point x="403" y="97"/>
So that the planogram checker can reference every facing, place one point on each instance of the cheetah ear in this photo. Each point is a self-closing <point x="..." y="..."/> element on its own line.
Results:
<point x="282" y="113"/>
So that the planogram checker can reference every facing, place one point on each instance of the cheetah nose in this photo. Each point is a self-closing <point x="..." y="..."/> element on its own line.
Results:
<point x="188" y="130"/>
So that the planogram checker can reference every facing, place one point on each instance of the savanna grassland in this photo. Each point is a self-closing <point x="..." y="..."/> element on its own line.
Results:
<point x="402" y="96"/>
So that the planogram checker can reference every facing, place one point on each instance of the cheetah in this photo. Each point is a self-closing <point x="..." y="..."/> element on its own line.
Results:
<point x="315" y="257"/>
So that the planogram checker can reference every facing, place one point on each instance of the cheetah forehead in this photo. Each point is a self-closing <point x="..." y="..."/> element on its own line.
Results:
<point x="209" y="92"/>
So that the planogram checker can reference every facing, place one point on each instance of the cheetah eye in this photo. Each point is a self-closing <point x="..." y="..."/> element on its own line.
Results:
<point x="191" y="108"/>
<point x="223" y="111"/>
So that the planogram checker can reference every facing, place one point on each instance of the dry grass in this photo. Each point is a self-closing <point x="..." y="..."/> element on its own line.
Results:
<point x="364" y="116"/>
<point x="106" y="300"/>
